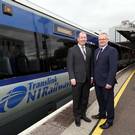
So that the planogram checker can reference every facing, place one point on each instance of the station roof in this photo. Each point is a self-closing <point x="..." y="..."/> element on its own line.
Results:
<point x="128" y="31"/>
<point x="130" y="35"/>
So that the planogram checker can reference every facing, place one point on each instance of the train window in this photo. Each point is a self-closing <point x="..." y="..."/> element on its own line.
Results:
<point x="55" y="52"/>
<point x="19" y="53"/>
<point x="23" y="52"/>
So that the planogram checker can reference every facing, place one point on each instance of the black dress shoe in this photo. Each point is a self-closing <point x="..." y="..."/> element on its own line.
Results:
<point x="106" y="125"/>
<point x="77" y="122"/>
<point x="86" y="119"/>
<point x="98" y="117"/>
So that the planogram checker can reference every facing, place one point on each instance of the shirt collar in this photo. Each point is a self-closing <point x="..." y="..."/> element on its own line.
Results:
<point x="80" y="46"/>
<point x="103" y="47"/>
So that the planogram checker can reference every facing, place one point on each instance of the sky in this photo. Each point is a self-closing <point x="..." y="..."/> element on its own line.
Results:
<point x="96" y="15"/>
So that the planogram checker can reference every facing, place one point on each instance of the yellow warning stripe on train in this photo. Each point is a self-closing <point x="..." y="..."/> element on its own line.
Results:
<point x="98" y="130"/>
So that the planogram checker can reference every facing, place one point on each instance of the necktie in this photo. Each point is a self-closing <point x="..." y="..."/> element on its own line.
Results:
<point x="84" y="52"/>
<point x="99" y="53"/>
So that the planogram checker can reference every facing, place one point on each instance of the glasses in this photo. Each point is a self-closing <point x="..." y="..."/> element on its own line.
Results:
<point x="103" y="39"/>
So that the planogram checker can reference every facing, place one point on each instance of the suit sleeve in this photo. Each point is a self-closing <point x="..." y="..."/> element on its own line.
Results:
<point x="113" y="64"/>
<point x="92" y="63"/>
<point x="70" y="64"/>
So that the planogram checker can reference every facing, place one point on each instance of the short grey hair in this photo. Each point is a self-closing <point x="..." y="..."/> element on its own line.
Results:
<point x="83" y="32"/>
<point x="103" y="33"/>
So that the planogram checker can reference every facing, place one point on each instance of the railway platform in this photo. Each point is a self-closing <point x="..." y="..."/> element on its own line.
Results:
<point x="61" y="122"/>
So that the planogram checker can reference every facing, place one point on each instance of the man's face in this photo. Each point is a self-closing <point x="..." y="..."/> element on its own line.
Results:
<point x="82" y="39"/>
<point x="103" y="40"/>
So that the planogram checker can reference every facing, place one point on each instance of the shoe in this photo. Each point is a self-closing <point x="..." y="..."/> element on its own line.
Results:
<point x="86" y="119"/>
<point x="106" y="125"/>
<point x="98" y="117"/>
<point x="77" y="122"/>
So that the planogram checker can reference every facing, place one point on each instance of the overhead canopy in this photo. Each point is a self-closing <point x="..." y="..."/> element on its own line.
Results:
<point x="130" y="35"/>
<point x="128" y="31"/>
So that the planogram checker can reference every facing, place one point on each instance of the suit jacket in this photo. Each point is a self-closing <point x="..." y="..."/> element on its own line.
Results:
<point x="105" y="67"/>
<point x="78" y="68"/>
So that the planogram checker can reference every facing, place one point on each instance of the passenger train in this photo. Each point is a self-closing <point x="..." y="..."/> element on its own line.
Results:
<point x="33" y="50"/>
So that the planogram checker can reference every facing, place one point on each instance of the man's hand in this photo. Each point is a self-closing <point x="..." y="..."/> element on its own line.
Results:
<point x="73" y="82"/>
<point x="108" y="86"/>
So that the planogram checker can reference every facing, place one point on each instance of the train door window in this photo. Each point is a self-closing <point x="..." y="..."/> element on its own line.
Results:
<point x="56" y="50"/>
<point x="19" y="47"/>
<point x="43" y="53"/>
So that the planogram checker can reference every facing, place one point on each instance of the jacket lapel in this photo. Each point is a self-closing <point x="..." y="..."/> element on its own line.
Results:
<point x="105" y="49"/>
<point x="79" y="52"/>
<point x="96" y="52"/>
<point x="87" y="53"/>
<point x="103" y="52"/>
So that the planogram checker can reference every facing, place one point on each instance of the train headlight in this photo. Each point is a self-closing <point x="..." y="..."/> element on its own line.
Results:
<point x="7" y="9"/>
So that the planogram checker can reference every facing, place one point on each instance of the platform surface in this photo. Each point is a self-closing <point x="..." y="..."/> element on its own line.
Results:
<point x="124" y="123"/>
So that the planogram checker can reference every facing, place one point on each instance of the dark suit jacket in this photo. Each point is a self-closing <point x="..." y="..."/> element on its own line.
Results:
<point x="78" y="68"/>
<point x="105" y="67"/>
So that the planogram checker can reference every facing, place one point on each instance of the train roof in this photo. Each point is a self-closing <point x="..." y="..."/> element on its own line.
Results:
<point x="29" y="6"/>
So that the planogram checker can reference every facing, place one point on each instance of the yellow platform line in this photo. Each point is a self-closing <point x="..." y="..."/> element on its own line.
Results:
<point x="98" y="130"/>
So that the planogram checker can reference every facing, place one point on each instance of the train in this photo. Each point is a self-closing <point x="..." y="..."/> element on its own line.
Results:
<point x="33" y="51"/>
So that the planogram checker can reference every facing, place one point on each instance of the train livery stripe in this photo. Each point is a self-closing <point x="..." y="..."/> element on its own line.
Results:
<point x="98" y="130"/>
<point x="29" y="77"/>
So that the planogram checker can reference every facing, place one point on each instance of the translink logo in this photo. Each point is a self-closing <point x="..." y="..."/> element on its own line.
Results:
<point x="12" y="98"/>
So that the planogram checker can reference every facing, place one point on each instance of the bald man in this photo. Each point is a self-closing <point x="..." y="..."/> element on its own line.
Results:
<point x="105" y="68"/>
<point x="79" y="63"/>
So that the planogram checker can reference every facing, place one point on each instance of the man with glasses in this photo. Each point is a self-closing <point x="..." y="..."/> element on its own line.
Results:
<point x="105" y="68"/>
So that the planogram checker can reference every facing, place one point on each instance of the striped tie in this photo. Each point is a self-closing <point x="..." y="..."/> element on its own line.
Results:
<point x="84" y="52"/>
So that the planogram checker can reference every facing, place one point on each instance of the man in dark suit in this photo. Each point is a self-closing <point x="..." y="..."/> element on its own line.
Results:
<point x="105" y="68"/>
<point x="79" y="63"/>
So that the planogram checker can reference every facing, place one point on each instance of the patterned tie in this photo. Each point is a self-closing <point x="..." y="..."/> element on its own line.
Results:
<point x="99" y="53"/>
<point x="84" y="52"/>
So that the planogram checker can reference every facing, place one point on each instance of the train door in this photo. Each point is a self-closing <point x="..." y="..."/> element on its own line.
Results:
<point x="53" y="52"/>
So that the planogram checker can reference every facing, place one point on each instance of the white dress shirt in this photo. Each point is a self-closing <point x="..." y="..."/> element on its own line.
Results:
<point x="84" y="55"/>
